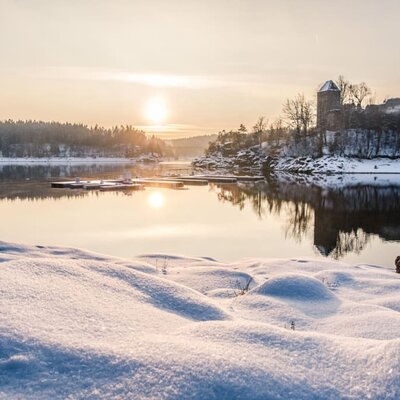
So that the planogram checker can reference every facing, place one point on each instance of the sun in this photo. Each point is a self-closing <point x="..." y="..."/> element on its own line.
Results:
<point x="156" y="111"/>
<point x="156" y="200"/>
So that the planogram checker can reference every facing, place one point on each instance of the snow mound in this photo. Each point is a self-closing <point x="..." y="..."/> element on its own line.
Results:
<point x="79" y="325"/>
<point x="295" y="287"/>
<point x="334" y="278"/>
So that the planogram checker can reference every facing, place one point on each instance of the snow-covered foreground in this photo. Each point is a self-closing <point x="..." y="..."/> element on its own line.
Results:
<point x="78" y="325"/>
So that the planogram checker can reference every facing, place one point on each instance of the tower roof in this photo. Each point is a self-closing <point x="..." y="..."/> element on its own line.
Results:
<point x="329" y="85"/>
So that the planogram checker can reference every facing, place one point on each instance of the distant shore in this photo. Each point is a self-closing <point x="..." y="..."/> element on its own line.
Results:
<point x="71" y="160"/>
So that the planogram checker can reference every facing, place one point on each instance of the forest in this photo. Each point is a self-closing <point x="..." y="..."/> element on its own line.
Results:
<point x="55" y="139"/>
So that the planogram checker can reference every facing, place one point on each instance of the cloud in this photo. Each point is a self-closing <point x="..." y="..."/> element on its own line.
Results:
<point x="148" y="79"/>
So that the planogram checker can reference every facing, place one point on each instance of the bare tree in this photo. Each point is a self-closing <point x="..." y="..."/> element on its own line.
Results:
<point x="359" y="92"/>
<point x="299" y="113"/>
<point x="307" y="115"/>
<point x="259" y="128"/>
<point x="344" y="87"/>
<point x="260" y="125"/>
<point x="276" y="129"/>
<point x="291" y="111"/>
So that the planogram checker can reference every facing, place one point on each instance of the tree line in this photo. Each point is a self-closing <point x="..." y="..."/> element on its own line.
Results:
<point x="43" y="139"/>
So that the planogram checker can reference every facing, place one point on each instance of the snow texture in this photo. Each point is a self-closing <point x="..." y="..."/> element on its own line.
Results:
<point x="79" y="325"/>
<point x="339" y="165"/>
<point x="327" y="164"/>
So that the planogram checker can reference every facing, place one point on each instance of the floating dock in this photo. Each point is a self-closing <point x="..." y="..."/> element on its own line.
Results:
<point x="220" y="178"/>
<point x="61" y="185"/>
<point x="186" y="181"/>
<point x="250" y="178"/>
<point x="235" y="178"/>
<point x="120" y="186"/>
<point x="92" y="186"/>
<point x="200" y="179"/>
<point x="170" y="182"/>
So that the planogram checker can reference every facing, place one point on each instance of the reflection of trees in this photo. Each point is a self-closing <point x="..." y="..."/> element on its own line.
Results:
<point x="36" y="191"/>
<point x="350" y="242"/>
<point x="40" y="172"/>
<point x="32" y="182"/>
<point x="300" y="216"/>
<point x="251" y="194"/>
<point x="97" y="171"/>
<point x="343" y="218"/>
<point x="232" y="195"/>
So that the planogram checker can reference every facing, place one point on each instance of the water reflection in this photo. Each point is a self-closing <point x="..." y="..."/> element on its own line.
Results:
<point x="156" y="200"/>
<point x="342" y="217"/>
<point x="31" y="182"/>
<point x="107" y="170"/>
<point x="338" y="216"/>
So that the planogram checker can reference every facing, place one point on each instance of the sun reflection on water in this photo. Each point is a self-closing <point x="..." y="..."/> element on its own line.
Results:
<point x="156" y="200"/>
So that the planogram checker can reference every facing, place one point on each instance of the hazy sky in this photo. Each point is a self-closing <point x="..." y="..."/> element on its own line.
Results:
<point x="196" y="66"/>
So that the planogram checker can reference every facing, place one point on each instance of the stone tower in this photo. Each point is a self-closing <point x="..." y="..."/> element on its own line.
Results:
<point x="329" y="108"/>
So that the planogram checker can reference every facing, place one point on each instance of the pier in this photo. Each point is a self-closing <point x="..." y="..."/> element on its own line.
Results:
<point x="169" y="182"/>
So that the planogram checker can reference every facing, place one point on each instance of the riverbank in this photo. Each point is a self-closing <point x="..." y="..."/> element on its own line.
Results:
<point x="337" y="165"/>
<point x="255" y="160"/>
<point x="75" y="160"/>
<point x="84" y="325"/>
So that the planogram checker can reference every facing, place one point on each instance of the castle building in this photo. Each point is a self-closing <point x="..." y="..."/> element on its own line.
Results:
<point x="329" y="109"/>
<point x="390" y="106"/>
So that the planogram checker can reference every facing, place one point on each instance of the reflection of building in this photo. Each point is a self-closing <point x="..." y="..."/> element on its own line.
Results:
<point x="343" y="219"/>
<point x="329" y="107"/>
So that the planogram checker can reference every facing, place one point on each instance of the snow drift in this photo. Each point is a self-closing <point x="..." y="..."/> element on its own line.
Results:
<point x="74" y="324"/>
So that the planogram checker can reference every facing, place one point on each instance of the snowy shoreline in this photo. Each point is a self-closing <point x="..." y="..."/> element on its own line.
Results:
<point x="327" y="165"/>
<point x="72" y="160"/>
<point x="338" y="165"/>
<point x="83" y="325"/>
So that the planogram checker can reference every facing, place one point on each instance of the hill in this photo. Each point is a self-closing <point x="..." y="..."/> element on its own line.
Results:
<point x="192" y="146"/>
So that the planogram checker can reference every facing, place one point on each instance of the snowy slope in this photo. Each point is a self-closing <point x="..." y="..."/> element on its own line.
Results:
<point x="338" y="165"/>
<point x="325" y="165"/>
<point x="79" y="325"/>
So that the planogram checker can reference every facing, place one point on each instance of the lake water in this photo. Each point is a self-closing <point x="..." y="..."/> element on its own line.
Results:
<point x="286" y="217"/>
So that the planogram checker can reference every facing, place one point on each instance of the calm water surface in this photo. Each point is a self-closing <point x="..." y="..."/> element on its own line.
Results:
<point x="285" y="217"/>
